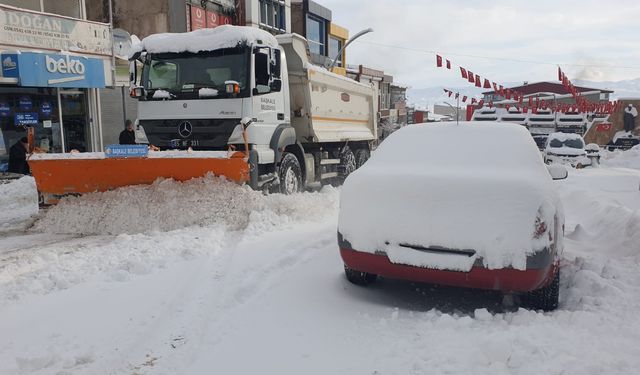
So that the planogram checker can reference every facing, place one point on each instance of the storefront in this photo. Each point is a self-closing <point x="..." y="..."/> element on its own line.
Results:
<point x="52" y="67"/>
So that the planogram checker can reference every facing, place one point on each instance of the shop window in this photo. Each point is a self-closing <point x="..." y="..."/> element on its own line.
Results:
<point x="21" y="108"/>
<point x="334" y="47"/>
<point x="272" y="15"/>
<point x="316" y="35"/>
<point x="69" y="8"/>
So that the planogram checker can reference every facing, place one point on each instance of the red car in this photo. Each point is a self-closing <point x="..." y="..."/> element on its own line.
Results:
<point x="469" y="205"/>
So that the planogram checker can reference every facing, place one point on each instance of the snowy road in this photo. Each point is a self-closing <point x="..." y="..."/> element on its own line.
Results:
<point x="265" y="293"/>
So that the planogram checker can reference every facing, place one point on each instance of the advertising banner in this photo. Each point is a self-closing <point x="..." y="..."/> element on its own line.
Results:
<point x="56" y="70"/>
<point x="198" y="18"/>
<point x="23" y="28"/>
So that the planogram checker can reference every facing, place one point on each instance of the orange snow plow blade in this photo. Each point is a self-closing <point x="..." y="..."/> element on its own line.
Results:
<point x="78" y="174"/>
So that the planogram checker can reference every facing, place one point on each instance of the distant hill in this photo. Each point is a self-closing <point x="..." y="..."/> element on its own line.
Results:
<point x="427" y="97"/>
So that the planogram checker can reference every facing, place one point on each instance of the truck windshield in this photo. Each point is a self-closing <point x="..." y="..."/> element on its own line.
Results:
<point x="195" y="75"/>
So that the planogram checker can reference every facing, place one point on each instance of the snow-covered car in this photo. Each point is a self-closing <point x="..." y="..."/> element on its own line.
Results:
<point x="440" y="203"/>
<point x="566" y="149"/>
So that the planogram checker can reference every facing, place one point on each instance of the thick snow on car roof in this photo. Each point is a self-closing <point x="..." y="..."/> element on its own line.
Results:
<point x="225" y="36"/>
<point x="467" y="145"/>
<point x="477" y="186"/>
<point x="565" y="136"/>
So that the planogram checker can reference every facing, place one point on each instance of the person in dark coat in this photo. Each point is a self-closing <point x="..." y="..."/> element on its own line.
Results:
<point x="128" y="136"/>
<point x="630" y="114"/>
<point x="18" y="157"/>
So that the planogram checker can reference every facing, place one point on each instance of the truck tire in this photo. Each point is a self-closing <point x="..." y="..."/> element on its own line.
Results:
<point x="359" y="278"/>
<point x="347" y="164"/>
<point x="546" y="298"/>
<point x="362" y="155"/>
<point x="289" y="174"/>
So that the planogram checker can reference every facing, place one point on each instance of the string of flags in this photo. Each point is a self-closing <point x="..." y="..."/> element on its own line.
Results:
<point x="478" y="81"/>
<point x="584" y="105"/>
<point x="518" y="98"/>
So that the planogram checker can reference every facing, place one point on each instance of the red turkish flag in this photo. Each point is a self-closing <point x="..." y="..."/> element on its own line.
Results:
<point x="478" y="83"/>
<point x="531" y="101"/>
<point x="464" y="99"/>
<point x="487" y="84"/>
<point x="491" y="104"/>
<point x="439" y="61"/>
<point x="463" y="72"/>
<point x="525" y="109"/>
<point x="448" y="64"/>
<point x="471" y="77"/>
<point x="495" y="88"/>
<point x="473" y="100"/>
<point x="559" y="74"/>
<point x="481" y="102"/>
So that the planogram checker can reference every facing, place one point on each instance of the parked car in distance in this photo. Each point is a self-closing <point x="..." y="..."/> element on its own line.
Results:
<point x="566" y="149"/>
<point x="440" y="203"/>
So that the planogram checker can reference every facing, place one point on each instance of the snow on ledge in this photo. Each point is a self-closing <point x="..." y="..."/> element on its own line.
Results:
<point x="225" y="36"/>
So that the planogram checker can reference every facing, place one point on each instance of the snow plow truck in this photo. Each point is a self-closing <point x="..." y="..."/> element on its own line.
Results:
<point x="233" y="101"/>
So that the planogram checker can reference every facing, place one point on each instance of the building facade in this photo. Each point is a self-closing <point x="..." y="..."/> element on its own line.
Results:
<point x="53" y="64"/>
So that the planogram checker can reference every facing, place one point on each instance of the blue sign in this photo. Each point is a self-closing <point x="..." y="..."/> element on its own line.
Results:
<point x="25" y="103"/>
<point x="46" y="109"/>
<point x="5" y="109"/>
<point x="26" y="119"/>
<point x="54" y="70"/>
<point x="10" y="65"/>
<point x="127" y="151"/>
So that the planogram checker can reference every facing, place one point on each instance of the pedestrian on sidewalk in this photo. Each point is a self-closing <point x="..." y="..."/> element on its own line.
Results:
<point x="128" y="136"/>
<point x="18" y="157"/>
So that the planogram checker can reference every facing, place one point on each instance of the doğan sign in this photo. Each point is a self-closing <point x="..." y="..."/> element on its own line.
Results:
<point x="22" y="28"/>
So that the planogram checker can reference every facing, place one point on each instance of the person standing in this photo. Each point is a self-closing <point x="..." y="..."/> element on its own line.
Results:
<point x="128" y="136"/>
<point x="18" y="157"/>
<point x="630" y="114"/>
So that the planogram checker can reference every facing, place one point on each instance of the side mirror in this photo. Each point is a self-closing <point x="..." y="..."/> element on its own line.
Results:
<point x="558" y="172"/>
<point x="276" y="85"/>
<point x="133" y="72"/>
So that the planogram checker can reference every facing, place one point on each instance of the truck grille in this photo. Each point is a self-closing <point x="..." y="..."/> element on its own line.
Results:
<point x="199" y="134"/>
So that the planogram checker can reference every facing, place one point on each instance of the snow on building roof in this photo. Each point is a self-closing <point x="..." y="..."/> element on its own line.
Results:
<point x="225" y="36"/>
<point x="548" y="87"/>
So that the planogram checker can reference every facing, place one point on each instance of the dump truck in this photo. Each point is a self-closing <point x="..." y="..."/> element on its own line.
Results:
<point x="233" y="101"/>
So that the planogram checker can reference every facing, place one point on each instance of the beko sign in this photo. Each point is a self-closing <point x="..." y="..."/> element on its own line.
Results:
<point x="54" y="70"/>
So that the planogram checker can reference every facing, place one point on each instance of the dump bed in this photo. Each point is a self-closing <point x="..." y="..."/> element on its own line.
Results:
<point x="326" y="107"/>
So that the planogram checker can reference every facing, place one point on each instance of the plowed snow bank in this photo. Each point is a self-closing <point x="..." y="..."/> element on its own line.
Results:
<point x="168" y="205"/>
<point x="18" y="203"/>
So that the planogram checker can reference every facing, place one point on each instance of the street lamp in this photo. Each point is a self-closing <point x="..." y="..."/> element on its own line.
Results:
<point x="455" y="110"/>
<point x="358" y="35"/>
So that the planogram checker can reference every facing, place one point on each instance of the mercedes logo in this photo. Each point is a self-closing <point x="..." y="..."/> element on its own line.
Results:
<point x="185" y="129"/>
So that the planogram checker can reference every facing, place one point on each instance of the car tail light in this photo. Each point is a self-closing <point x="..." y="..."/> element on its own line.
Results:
<point x="540" y="228"/>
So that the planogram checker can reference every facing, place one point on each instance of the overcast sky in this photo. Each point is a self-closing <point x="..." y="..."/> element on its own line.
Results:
<point x="601" y="33"/>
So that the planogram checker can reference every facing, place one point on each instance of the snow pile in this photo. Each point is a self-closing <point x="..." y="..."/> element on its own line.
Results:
<point x="618" y="158"/>
<point x="225" y="36"/>
<point x="484" y="194"/>
<point x="18" y="203"/>
<point x="168" y="205"/>
<point x="207" y="92"/>
<point x="162" y="94"/>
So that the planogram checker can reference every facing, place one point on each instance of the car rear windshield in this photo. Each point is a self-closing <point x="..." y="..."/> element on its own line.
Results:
<point x="572" y="143"/>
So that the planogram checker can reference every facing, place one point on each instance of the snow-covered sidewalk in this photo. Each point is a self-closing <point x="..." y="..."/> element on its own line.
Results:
<point x="237" y="282"/>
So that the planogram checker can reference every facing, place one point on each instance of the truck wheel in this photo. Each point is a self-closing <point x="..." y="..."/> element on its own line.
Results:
<point x="546" y="298"/>
<point x="362" y="155"/>
<point x="359" y="278"/>
<point x="347" y="164"/>
<point x="290" y="175"/>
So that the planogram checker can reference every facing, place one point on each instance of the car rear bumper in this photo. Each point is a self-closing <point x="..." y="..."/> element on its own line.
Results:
<point x="505" y="279"/>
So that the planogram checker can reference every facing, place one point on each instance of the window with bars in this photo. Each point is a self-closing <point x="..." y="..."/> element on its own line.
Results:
<point x="272" y="15"/>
